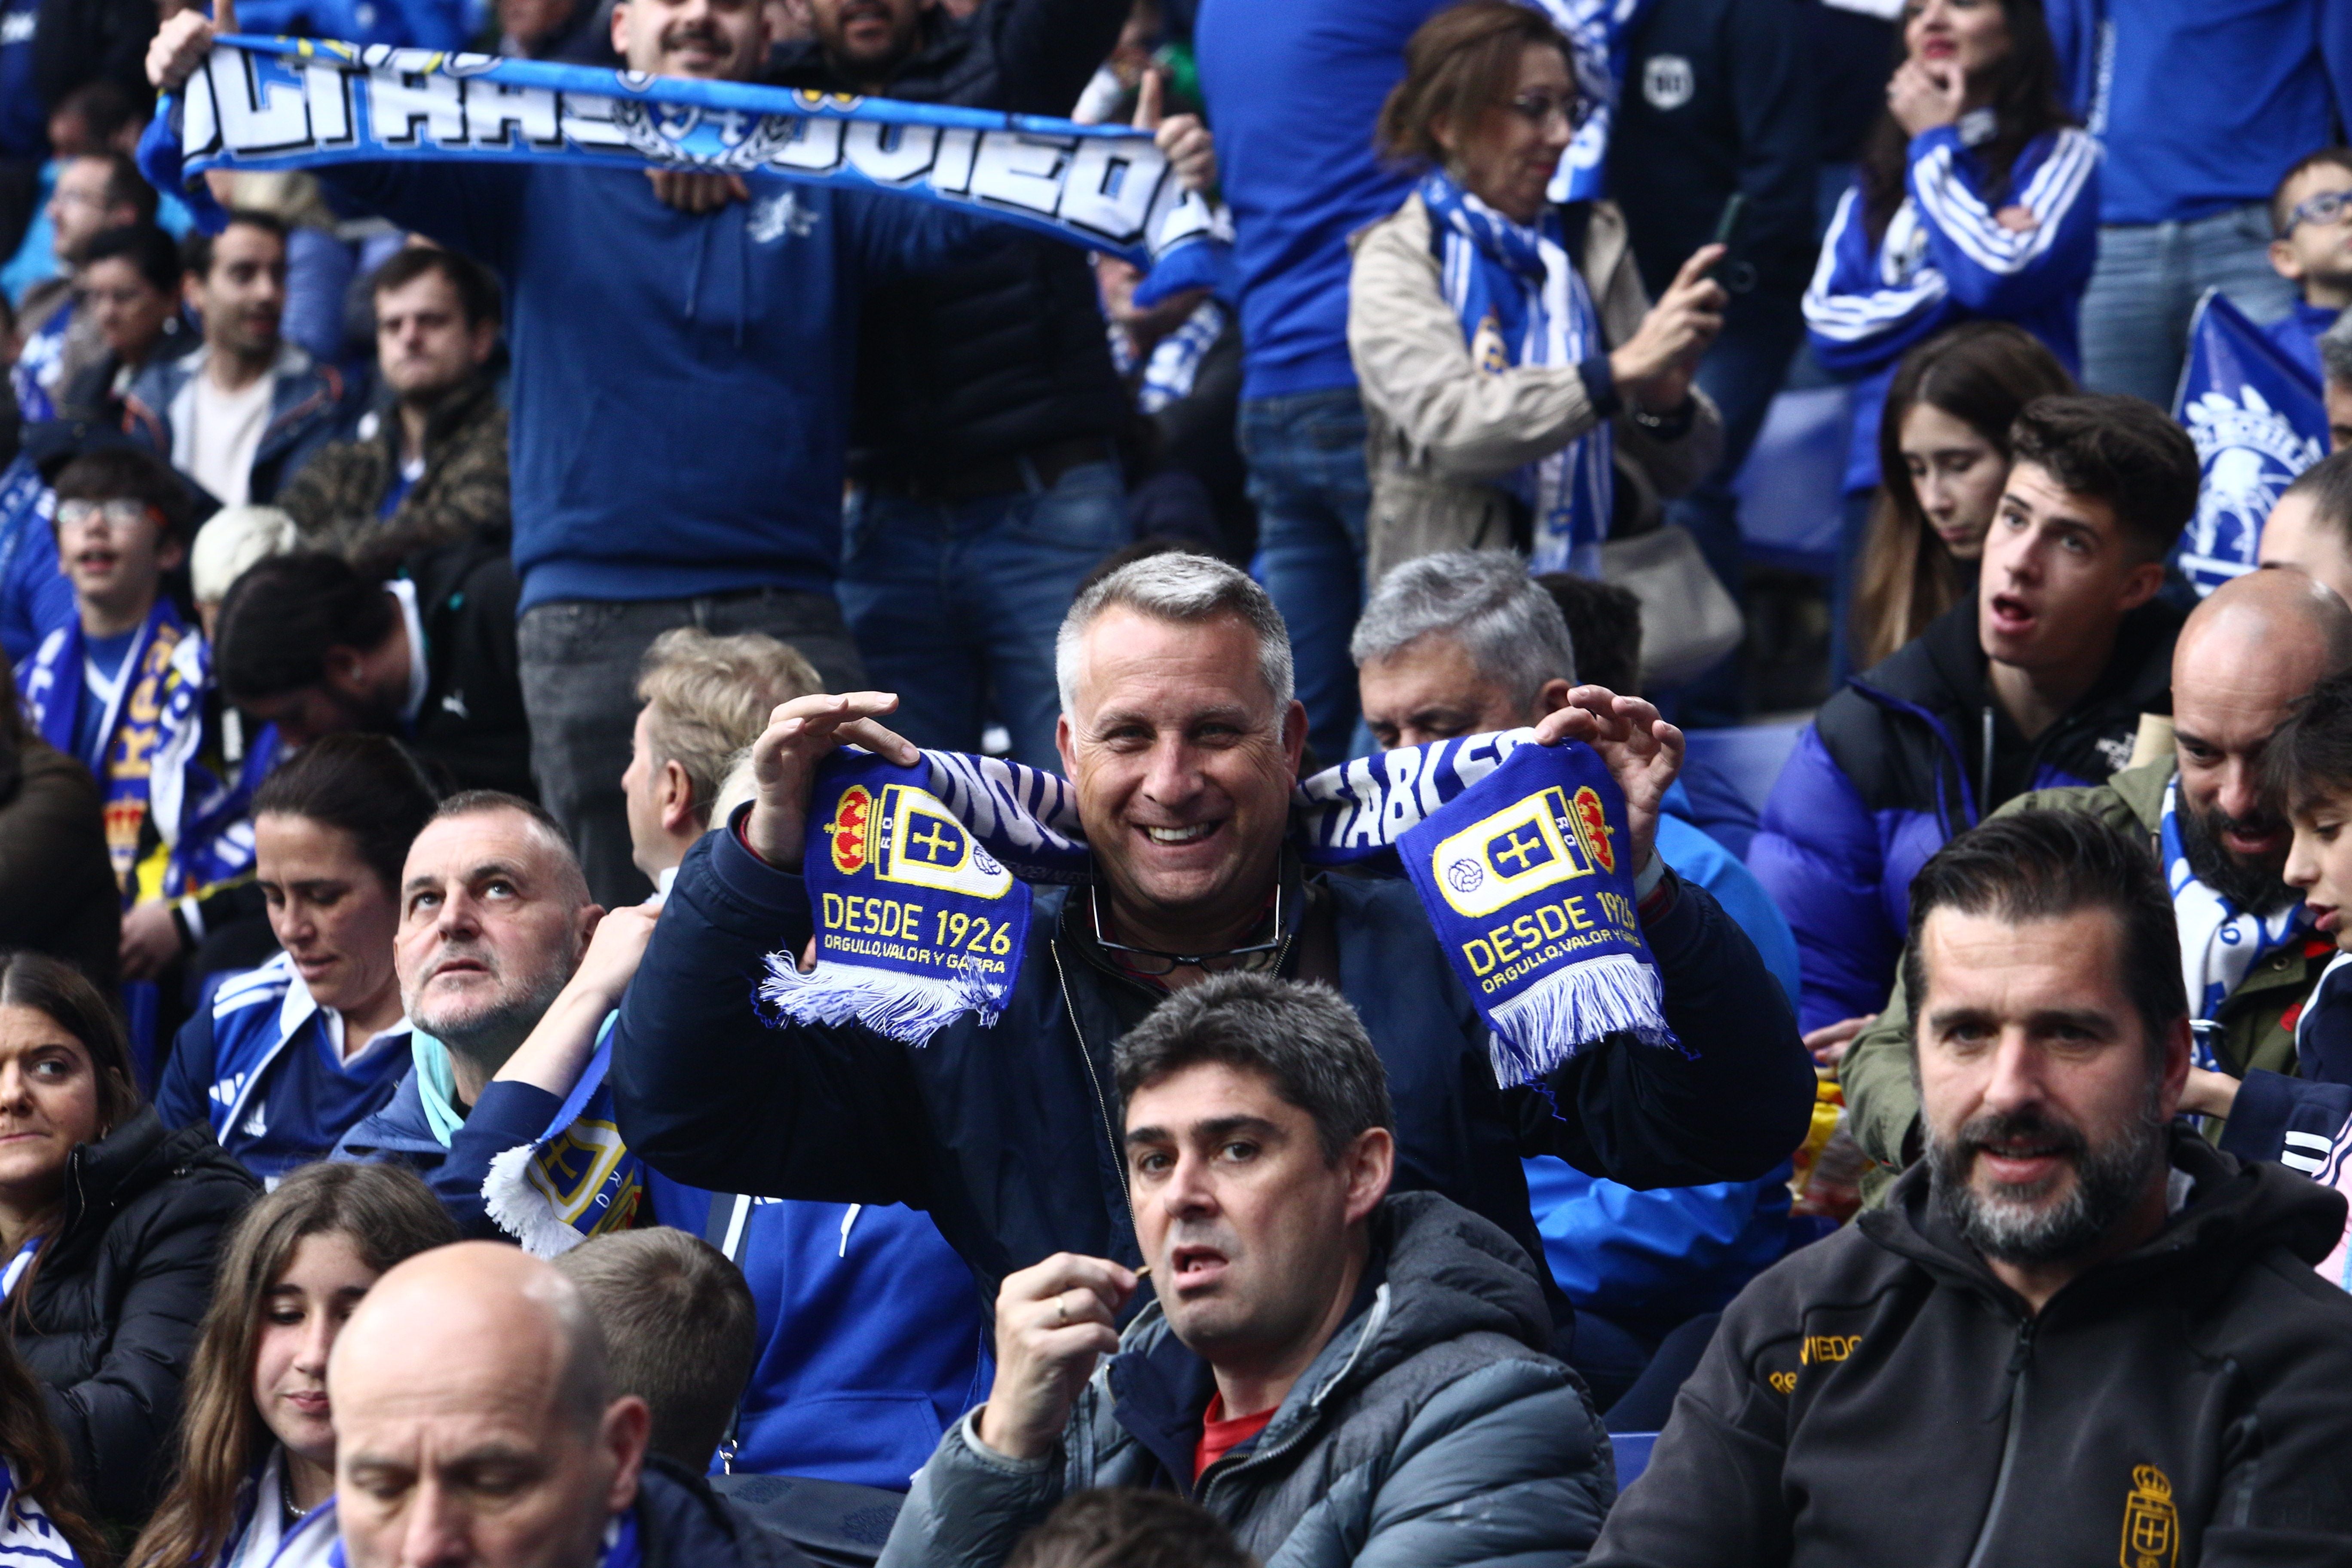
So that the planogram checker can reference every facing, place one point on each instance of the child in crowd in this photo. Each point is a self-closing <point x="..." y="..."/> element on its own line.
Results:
<point x="121" y="686"/>
<point x="256" y="1467"/>
<point x="2310" y="529"/>
<point x="2311" y="217"/>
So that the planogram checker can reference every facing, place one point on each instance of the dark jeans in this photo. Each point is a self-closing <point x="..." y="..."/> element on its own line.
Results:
<point x="1306" y="454"/>
<point x="580" y="661"/>
<point x="952" y="602"/>
<point x="1742" y="374"/>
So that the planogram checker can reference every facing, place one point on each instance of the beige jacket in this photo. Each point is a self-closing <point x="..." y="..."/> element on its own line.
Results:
<point x="1444" y="432"/>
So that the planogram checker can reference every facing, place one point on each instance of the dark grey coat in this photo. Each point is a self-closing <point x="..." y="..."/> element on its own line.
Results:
<point x="1430" y="1432"/>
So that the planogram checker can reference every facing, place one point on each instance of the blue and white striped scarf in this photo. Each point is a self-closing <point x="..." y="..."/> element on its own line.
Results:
<point x="1521" y="301"/>
<point x="2220" y="942"/>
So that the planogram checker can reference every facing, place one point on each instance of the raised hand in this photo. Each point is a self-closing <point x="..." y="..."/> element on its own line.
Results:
<point x="1653" y="367"/>
<point x="1053" y="1322"/>
<point x="799" y="734"/>
<point x="1922" y="99"/>
<point x="181" y="44"/>
<point x="1644" y="753"/>
<point x="1191" y="151"/>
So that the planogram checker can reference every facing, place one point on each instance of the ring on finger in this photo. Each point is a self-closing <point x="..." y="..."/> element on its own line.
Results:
<point x="1062" y="1311"/>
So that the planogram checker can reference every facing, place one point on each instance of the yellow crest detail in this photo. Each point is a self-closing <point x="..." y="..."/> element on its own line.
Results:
<point x="2151" y="1522"/>
<point x="1523" y="849"/>
<point x="1487" y="346"/>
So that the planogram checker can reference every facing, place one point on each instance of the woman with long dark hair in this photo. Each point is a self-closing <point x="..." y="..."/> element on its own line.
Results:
<point x="109" y="1222"/>
<point x="285" y="1058"/>
<point x="258" y="1441"/>
<point x="1943" y="448"/>
<point x="1976" y="198"/>
<point x="41" y="1520"/>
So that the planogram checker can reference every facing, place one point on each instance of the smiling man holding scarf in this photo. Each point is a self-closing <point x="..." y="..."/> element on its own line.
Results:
<point x="1181" y="738"/>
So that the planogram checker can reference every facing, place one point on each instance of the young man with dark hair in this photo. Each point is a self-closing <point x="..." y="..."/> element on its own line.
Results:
<point x="2310" y="529"/>
<point x="2311" y="215"/>
<point x="120" y="687"/>
<point x="248" y="408"/>
<point x="2214" y="808"/>
<point x="427" y="468"/>
<point x="129" y="289"/>
<point x="2075" y="1323"/>
<point x="2039" y="680"/>
<point x="1339" y="1374"/>
<point x="94" y="193"/>
<point x="313" y="645"/>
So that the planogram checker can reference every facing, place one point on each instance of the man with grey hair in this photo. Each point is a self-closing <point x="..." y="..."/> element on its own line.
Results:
<point x="494" y="915"/>
<point x="1466" y="643"/>
<point x="1181" y="739"/>
<point x="1308" y="1329"/>
<point x="477" y="1424"/>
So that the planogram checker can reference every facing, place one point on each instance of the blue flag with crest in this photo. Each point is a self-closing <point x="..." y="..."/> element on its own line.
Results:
<point x="2258" y="421"/>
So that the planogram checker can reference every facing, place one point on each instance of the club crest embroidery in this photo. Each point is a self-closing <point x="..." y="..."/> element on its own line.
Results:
<point x="2151" y="1522"/>
<point x="575" y="1174"/>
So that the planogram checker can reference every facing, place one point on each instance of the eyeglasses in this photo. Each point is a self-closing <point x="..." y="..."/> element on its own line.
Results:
<point x="1540" y="110"/>
<point x="2327" y="206"/>
<point x="122" y="513"/>
<point x="1155" y="962"/>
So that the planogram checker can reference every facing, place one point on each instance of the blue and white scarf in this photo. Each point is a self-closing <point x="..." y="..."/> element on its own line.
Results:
<point x="1521" y="301"/>
<point x="578" y="1179"/>
<point x="299" y="103"/>
<point x="29" y="1538"/>
<point x="919" y="882"/>
<point x="2220" y="942"/>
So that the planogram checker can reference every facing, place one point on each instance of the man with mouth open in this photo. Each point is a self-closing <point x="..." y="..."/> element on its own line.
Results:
<point x="2246" y="656"/>
<point x="2075" y="1324"/>
<point x="1338" y="1373"/>
<point x="2040" y="682"/>
<point x="1181" y="737"/>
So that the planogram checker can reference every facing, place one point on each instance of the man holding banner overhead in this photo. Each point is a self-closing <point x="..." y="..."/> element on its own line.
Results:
<point x="1541" y="984"/>
<point x="681" y="379"/>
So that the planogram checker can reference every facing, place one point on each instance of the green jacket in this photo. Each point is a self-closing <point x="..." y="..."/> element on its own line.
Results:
<point x="2257" y="1021"/>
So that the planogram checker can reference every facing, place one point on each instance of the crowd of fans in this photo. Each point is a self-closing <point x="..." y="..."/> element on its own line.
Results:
<point x="435" y="589"/>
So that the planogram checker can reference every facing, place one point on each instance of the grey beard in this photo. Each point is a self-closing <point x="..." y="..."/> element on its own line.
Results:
<point x="488" y="1037"/>
<point x="2107" y="1182"/>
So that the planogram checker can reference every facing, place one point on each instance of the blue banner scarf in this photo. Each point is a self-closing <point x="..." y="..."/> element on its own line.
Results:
<point x="919" y="882"/>
<point x="137" y="726"/>
<point x="1521" y="301"/>
<point x="2220" y="942"/>
<point x="2258" y="421"/>
<point x="1598" y="32"/>
<point x="579" y="1179"/>
<point x="299" y="103"/>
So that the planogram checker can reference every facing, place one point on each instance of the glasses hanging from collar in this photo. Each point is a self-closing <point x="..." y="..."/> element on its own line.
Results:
<point x="1153" y="963"/>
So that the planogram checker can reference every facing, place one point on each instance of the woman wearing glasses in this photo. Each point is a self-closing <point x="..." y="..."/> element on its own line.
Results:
<point x="1976" y="199"/>
<point x="1508" y="352"/>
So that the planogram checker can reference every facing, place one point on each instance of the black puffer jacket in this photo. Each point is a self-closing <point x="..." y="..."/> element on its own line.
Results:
<point x="1007" y="351"/>
<point x="117" y="1293"/>
<point x="1882" y="1398"/>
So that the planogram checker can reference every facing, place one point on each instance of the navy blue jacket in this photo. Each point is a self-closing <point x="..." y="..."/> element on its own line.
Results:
<point x="995" y="1132"/>
<point x="1894" y="764"/>
<point x="681" y="384"/>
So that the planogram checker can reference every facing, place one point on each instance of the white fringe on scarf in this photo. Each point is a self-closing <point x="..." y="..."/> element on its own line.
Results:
<point x="909" y="1007"/>
<point x="518" y="1207"/>
<point x="1542" y="1029"/>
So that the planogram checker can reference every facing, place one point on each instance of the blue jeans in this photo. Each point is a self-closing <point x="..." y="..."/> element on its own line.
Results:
<point x="1305" y="455"/>
<point x="2146" y="287"/>
<point x="955" y="607"/>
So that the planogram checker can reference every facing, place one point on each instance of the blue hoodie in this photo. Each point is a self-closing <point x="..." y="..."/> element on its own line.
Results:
<point x="681" y="384"/>
<point x="2202" y="105"/>
<point x="1293" y="90"/>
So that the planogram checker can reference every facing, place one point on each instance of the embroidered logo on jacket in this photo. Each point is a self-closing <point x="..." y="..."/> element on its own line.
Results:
<point x="2151" y="1524"/>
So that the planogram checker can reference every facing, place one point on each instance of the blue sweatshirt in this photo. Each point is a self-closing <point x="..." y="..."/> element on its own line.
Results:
<point x="681" y="384"/>
<point x="2202" y="105"/>
<point x="1293" y="90"/>
<point x="1945" y="259"/>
